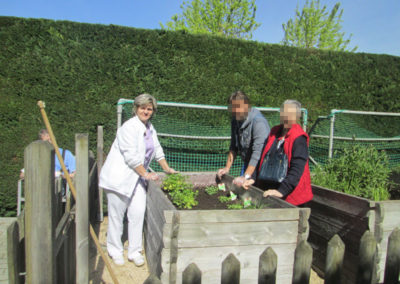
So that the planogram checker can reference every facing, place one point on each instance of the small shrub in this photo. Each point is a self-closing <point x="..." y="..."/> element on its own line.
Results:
<point x="359" y="170"/>
<point x="211" y="190"/>
<point x="181" y="192"/>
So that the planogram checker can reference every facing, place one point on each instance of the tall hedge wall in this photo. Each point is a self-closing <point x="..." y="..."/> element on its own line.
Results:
<point x="80" y="71"/>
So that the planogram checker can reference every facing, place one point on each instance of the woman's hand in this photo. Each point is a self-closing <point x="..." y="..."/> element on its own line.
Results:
<point x="151" y="176"/>
<point x="247" y="183"/>
<point x="272" y="192"/>
<point x="171" y="171"/>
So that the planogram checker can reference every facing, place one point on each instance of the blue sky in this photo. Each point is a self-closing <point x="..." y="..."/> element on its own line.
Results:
<point x="375" y="24"/>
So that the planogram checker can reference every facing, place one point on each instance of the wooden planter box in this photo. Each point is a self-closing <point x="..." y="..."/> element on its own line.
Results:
<point x="349" y="216"/>
<point x="176" y="238"/>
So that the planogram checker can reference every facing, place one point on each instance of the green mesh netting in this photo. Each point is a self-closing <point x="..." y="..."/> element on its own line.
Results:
<point x="210" y="130"/>
<point x="366" y="127"/>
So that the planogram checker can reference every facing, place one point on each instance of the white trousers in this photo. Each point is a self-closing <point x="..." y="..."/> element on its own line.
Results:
<point x="135" y="206"/>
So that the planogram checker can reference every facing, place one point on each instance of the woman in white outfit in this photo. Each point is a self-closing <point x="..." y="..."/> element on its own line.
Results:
<point x="124" y="178"/>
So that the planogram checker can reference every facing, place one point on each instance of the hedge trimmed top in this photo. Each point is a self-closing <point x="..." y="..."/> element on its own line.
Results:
<point x="81" y="70"/>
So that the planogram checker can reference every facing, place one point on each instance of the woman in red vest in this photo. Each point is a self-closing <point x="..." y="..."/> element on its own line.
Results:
<point x="295" y="188"/>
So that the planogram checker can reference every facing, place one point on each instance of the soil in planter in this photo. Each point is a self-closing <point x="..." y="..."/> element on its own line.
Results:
<point x="211" y="202"/>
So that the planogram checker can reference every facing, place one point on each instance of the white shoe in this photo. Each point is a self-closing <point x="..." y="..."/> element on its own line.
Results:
<point x="118" y="260"/>
<point x="137" y="258"/>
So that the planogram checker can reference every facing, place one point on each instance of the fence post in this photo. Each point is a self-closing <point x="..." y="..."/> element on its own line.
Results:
<point x="331" y="134"/>
<point x="152" y="279"/>
<point x="82" y="208"/>
<point x="392" y="266"/>
<point x="13" y="253"/>
<point x="191" y="275"/>
<point x="39" y="213"/>
<point x="302" y="263"/>
<point x="100" y="161"/>
<point x="230" y="273"/>
<point x="267" y="267"/>
<point x="366" y="272"/>
<point x="334" y="260"/>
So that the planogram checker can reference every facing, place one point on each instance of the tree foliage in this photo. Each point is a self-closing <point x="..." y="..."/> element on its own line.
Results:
<point x="315" y="27"/>
<point x="227" y="18"/>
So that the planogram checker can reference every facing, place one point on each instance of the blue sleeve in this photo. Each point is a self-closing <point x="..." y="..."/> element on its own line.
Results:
<point x="70" y="162"/>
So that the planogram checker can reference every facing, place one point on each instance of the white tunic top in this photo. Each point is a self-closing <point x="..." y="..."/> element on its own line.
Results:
<point x="127" y="152"/>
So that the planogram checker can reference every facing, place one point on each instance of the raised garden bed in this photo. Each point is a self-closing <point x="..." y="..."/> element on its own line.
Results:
<point x="349" y="216"/>
<point x="175" y="238"/>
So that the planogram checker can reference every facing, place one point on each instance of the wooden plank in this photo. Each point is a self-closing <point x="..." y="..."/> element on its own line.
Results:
<point x="230" y="273"/>
<point x="173" y="237"/>
<point x="319" y="245"/>
<point x="267" y="266"/>
<point x="304" y="227"/>
<point x="235" y="216"/>
<point x="13" y="253"/>
<point x="158" y="197"/>
<point x="209" y="259"/>
<point x="392" y="268"/>
<point x="39" y="213"/>
<point x="191" y="275"/>
<point x="390" y="211"/>
<point x="82" y="208"/>
<point x="227" y="234"/>
<point x="248" y="276"/>
<point x="100" y="161"/>
<point x="366" y="272"/>
<point x="342" y="201"/>
<point x="334" y="261"/>
<point x="302" y="263"/>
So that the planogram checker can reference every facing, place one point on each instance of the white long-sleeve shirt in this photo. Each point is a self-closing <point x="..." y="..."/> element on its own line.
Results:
<point x="127" y="152"/>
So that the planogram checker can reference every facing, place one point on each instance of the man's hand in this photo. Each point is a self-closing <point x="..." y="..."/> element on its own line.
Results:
<point x="222" y="172"/>
<point x="247" y="183"/>
<point x="272" y="192"/>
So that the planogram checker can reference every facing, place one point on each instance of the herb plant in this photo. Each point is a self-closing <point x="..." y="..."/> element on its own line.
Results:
<point x="211" y="190"/>
<point x="181" y="191"/>
<point x="359" y="170"/>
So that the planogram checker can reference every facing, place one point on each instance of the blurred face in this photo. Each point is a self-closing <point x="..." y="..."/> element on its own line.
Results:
<point x="239" y="109"/>
<point x="45" y="137"/>
<point x="145" y="112"/>
<point x="288" y="116"/>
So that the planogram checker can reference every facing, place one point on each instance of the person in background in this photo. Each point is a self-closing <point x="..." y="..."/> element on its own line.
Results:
<point x="249" y="130"/>
<point x="124" y="178"/>
<point x="296" y="186"/>
<point x="68" y="157"/>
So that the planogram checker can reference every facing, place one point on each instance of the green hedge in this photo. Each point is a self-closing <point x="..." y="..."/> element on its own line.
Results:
<point x="80" y="71"/>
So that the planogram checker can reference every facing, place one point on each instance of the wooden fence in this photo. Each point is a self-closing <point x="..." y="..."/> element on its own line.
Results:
<point x="49" y="243"/>
<point x="366" y="273"/>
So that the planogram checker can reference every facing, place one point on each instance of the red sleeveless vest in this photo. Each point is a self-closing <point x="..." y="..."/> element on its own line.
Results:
<point x="302" y="192"/>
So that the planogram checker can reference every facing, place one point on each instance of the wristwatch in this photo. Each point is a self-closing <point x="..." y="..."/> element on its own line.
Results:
<point x="247" y="176"/>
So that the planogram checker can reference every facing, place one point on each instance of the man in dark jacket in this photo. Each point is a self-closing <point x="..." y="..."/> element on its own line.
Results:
<point x="249" y="130"/>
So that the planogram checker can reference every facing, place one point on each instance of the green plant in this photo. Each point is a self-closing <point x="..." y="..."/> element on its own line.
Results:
<point x="185" y="198"/>
<point x="235" y="206"/>
<point x="224" y="199"/>
<point x="211" y="190"/>
<point x="360" y="171"/>
<point x="181" y="192"/>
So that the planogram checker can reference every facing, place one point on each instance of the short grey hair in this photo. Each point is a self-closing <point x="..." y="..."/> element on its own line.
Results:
<point x="144" y="99"/>
<point x="42" y="132"/>
<point x="295" y="103"/>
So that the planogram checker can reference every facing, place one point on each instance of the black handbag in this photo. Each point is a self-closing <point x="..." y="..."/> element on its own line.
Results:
<point x="275" y="164"/>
